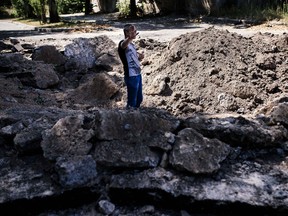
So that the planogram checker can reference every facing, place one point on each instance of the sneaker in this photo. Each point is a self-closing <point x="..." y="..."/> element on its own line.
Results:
<point x="131" y="108"/>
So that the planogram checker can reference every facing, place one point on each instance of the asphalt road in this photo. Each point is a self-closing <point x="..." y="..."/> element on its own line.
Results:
<point x="159" y="28"/>
<point x="10" y="25"/>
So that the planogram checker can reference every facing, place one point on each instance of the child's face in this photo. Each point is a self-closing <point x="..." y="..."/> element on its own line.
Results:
<point x="132" y="32"/>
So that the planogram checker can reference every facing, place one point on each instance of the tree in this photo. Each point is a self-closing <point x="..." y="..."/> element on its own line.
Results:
<point x="88" y="8"/>
<point x="26" y="10"/>
<point x="107" y="6"/>
<point x="133" y="8"/>
<point x="43" y="11"/>
<point x="53" y="12"/>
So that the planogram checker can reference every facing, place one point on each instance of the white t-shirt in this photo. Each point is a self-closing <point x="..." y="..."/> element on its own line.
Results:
<point x="133" y="61"/>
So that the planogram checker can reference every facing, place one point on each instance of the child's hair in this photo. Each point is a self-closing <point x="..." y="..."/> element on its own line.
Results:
<point x="127" y="28"/>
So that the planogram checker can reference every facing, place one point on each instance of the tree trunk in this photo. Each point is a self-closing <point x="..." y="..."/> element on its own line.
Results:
<point x="43" y="12"/>
<point x="133" y="8"/>
<point x="88" y="8"/>
<point x="107" y="6"/>
<point x="54" y="16"/>
<point x="28" y="10"/>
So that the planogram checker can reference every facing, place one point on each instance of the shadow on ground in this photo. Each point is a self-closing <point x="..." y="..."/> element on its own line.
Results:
<point x="109" y="21"/>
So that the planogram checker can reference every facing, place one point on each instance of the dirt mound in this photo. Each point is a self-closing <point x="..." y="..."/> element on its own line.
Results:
<point x="217" y="71"/>
<point x="211" y="71"/>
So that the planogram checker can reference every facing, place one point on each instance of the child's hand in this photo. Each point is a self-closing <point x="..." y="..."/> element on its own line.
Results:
<point x="141" y="55"/>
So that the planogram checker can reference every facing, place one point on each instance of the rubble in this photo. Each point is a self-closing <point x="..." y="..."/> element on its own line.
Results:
<point x="212" y="130"/>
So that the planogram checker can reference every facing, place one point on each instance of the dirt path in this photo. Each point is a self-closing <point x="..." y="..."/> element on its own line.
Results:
<point x="159" y="28"/>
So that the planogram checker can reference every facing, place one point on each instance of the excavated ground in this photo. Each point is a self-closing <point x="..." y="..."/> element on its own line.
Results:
<point x="209" y="69"/>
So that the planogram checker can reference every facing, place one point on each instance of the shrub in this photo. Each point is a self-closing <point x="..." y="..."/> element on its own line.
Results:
<point x="70" y="6"/>
<point x="23" y="8"/>
<point x="123" y="7"/>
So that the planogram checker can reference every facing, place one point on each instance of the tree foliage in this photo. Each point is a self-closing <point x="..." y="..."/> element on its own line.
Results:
<point x="36" y="9"/>
<point x="5" y="3"/>
<point x="70" y="6"/>
<point x="23" y="9"/>
<point x="39" y="9"/>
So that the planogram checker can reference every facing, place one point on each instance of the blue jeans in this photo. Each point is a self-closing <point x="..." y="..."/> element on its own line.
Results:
<point x="134" y="90"/>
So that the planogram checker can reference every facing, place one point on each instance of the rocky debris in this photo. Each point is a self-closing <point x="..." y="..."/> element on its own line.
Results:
<point x="100" y="88"/>
<point x="76" y="171"/>
<point x="106" y="207"/>
<point x="49" y="55"/>
<point x="216" y="135"/>
<point x="211" y="71"/>
<point x="85" y="52"/>
<point x="35" y="74"/>
<point x="5" y="46"/>
<point x="59" y="141"/>
<point x="149" y="152"/>
<point x="65" y="83"/>
<point x="238" y="130"/>
<point x="196" y="154"/>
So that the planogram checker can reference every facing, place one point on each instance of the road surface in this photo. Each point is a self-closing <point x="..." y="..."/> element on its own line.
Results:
<point x="162" y="29"/>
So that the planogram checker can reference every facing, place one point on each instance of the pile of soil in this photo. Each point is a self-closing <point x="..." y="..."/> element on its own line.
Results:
<point x="216" y="71"/>
<point x="211" y="71"/>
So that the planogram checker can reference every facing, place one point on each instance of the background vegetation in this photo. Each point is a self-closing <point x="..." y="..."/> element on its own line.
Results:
<point x="40" y="9"/>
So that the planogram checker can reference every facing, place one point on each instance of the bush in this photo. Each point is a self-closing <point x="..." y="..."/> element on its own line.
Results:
<point x="23" y="8"/>
<point x="18" y="6"/>
<point x="36" y="5"/>
<point x="4" y="12"/>
<point x="123" y="7"/>
<point x="70" y="6"/>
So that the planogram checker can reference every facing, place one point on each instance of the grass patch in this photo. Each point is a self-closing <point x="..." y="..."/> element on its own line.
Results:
<point x="255" y="13"/>
<point x="76" y="26"/>
<point x="249" y="13"/>
<point x="37" y="23"/>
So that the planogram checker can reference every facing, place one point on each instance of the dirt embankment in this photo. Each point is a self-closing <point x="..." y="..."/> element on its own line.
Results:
<point x="217" y="71"/>
<point x="205" y="70"/>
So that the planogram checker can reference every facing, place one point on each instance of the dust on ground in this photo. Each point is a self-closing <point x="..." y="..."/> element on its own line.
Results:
<point x="211" y="69"/>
